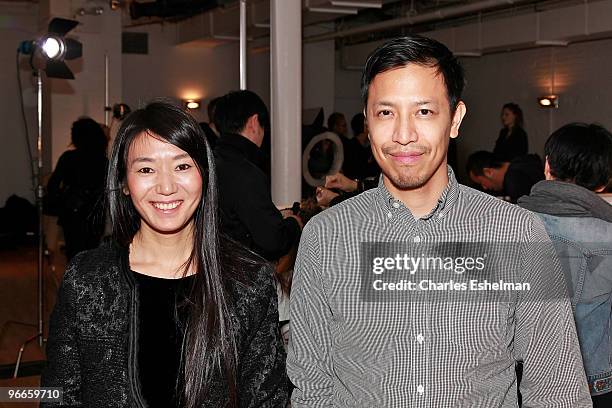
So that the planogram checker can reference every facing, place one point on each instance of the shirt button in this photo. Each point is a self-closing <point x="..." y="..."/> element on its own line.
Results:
<point x="389" y="215"/>
<point x="420" y="338"/>
<point x="417" y="239"/>
<point x="395" y="204"/>
<point x="420" y="389"/>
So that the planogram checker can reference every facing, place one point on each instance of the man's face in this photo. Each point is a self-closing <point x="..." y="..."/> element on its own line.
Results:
<point x="410" y="121"/>
<point x="491" y="180"/>
<point x="340" y="127"/>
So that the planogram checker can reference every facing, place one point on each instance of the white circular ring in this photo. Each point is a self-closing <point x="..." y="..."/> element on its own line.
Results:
<point x="336" y="164"/>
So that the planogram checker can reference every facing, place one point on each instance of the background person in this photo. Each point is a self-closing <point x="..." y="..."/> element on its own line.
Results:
<point x="167" y="314"/>
<point x="359" y="162"/>
<point x="75" y="189"/>
<point x="248" y="214"/>
<point x="511" y="179"/>
<point x="578" y="165"/>
<point x="512" y="140"/>
<point x="209" y="128"/>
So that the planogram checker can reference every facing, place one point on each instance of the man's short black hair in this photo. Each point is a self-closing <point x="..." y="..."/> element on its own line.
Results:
<point x="333" y="119"/>
<point x="418" y="50"/>
<point x="358" y="124"/>
<point x="234" y="109"/>
<point x="478" y="161"/>
<point x="580" y="153"/>
<point x="210" y="109"/>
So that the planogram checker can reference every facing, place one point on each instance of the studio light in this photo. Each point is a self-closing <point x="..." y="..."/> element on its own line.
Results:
<point x="550" y="101"/>
<point x="53" y="48"/>
<point x="46" y="54"/>
<point x="192" y="104"/>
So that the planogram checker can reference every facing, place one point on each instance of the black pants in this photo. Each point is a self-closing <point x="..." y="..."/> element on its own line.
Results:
<point x="81" y="233"/>
<point x="602" y="401"/>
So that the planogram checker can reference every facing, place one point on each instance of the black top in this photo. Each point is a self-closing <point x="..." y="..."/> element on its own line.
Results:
<point x="248" y="214"/>
<point x="94" y="328"/>
<point x="161" y="330"/>
<point x="359" y="162"/>
<point x="523" y="172"/>
<point x="510" y="146"/>
<point x="77" y="183"/>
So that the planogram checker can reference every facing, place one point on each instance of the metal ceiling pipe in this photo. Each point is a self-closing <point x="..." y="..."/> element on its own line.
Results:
<point x="243" y="45"/>
<point x="454" y="11"/>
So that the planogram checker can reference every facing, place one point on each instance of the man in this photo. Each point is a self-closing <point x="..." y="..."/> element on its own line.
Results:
<point x="353" y="345"/>
<point x="210" y="130"/>
<point x="511" y="179"/>
<point x="336" y="122"/>
<point x="358" y="160"/>
<point x="578" y="165"/>
<point x="247" y="212"/>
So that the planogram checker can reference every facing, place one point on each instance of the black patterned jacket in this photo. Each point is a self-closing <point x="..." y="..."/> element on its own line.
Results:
<point x="92" y="346"/>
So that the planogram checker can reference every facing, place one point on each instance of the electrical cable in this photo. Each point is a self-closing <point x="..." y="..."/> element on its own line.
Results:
<point x="25" y="125"/>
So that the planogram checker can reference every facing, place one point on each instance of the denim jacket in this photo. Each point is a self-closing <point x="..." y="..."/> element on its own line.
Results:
<point x="580" y="225"/>
<point x="584" y="247"/>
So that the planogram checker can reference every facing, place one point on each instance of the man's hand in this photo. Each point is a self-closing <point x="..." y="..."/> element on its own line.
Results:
<point x="324" y="196"/>
<point x="340" y="181"/>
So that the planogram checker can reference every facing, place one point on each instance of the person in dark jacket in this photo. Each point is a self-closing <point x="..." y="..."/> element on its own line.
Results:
<point x="578" y="165"/>
<point x="209" y="128"/>
<point x="511" y="179"/>
<point x="359" y="161"/>
<point x="248" y="214"/>
<point x="75" y="189"/>
<point x="168" y="313"/>
<point x="512" y="141"/>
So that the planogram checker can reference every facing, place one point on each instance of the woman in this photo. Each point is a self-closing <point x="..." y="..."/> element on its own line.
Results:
<point x="512" y="141"/>
<point x="76" y="187"/>
<point x="167" y="314"/>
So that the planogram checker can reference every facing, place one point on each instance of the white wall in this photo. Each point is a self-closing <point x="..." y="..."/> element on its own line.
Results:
<point x="19" y="22"/>
<point x="347" y="85"/>
<point x="582" y="77"/>
<point x="203" y="70"/>
<point x="84" y="96"/>
<point x="64" y="100"/>
<point x="192" y="70"/>
<point x="583" y="81"/>
<point x="318" y="72"/>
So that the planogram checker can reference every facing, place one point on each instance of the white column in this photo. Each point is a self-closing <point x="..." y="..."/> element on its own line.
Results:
<point x="286" y="100"/>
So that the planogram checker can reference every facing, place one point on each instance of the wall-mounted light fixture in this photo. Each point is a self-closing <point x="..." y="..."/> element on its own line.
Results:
<point x="550" y="101"/>
<point x="192" y="104"/>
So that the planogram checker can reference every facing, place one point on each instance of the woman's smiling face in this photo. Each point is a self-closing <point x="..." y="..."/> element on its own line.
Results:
<point x="164" y="184"/>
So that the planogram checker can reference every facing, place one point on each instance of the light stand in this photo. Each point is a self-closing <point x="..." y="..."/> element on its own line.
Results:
<point x="55" y="68"/>
<point x="41" y="239"/>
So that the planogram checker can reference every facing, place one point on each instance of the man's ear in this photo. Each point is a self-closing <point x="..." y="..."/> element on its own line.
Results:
<point x="253" y="122"/>
<point x="365" y="124"/>
<point x="547" y="174"/>
<point x="458" y="116"/>
<point x="488" y="172"/>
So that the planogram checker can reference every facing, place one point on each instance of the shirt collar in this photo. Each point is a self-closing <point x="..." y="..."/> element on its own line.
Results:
<point x="249" y="149"/>
<point x="445" y="201"/>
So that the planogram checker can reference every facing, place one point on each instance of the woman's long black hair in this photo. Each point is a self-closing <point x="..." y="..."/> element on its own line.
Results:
<point x="209" y="348"/>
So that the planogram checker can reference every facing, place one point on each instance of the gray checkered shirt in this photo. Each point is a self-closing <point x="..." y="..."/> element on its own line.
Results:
<point x="347" y="352"/>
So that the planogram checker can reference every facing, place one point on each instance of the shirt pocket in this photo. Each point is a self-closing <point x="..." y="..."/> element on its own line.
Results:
<point x="474" y="325"/>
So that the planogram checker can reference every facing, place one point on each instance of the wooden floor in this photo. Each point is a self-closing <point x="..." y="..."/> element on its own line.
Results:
<point x="18" y="304"/>
<point x="20" y="382"/>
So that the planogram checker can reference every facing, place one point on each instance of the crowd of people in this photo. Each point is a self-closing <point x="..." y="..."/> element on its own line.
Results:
<point x="206" y="294"/>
